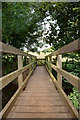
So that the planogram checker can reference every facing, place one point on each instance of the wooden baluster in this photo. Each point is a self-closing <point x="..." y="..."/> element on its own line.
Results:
<point x="32" y="64"/>
<point x="51" y="63"/>
<point x="47" y="61"/>
<point x="30" y="68"/>
<point x="20" y="65"/>
<point x="59" y="64"/>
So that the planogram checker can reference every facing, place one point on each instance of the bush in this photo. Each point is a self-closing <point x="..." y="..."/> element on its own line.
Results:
<point x="74" y="97"/>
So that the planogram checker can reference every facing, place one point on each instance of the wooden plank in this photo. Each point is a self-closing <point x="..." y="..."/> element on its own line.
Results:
<point x="20" y="65"/>
<point x="40" y="109"/>
<point x="41" y="84"/>
<point x="42" y="87"/>
<point x="75" y="81"/>
<point x="12" y="50"/>
<point x="45" y="86"/>
<point x="39" y="103"/>
<point x="59" y="64"/>
<point x="66" y="99"/>
<point x="10" y="77"/>
<point x="11" y="102"/>
<point x="40" y="94"/>
<point x="41" y="90"/>
<point x="71" y="47"/>
<point x="44" y="98"/>
<point x="42" y="115"/>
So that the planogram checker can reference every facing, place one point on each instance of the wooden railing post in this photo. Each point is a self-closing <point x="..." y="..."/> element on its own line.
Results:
<point x="51" y="63"/>
<point x="47" y="61"/>
<point x="59" y="64"/>
<point x="32" y="64"/>
<point x="20" y="65"/>
<point x="30" y="68"/>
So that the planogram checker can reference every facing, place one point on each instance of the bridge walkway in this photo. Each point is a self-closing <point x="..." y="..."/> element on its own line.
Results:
<point x="40" y="99"/>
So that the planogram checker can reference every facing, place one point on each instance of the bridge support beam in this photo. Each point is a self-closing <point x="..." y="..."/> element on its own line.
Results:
<point x="59" y="64"/>
<point x="20" y="65"/>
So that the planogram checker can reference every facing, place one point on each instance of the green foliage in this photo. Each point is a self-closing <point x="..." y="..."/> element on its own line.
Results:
<point x="25" y="23"/>
<point x="75" y="97"/>
<point x="63" y="19"/>
<point x="49" y="50"/>
<point x="40" y="62"/>
<point x="67" y="20"/>
<point x="20" y="25"/>
<point x="9" y="64"/>
<point x="25" y="61"/>
<point x="71" y="65"/>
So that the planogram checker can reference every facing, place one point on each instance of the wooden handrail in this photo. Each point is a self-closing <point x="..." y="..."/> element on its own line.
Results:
<point x="5" y="80"/>
<point x="71" y="47"/>
<point x="74" y="80"/>
<point x="66" y="99"/>
<point x="10" y="77"/>
<point x="11" y="102"/>
<point x="4" y="48"/>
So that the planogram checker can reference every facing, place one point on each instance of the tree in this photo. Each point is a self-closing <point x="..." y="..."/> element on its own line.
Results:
<point x="24" y="24"/>
<point x="67" y="20"/>
<point x="20" y="25"/>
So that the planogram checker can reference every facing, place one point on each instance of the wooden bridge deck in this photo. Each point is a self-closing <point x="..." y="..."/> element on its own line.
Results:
<point x="40" y="99"/>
